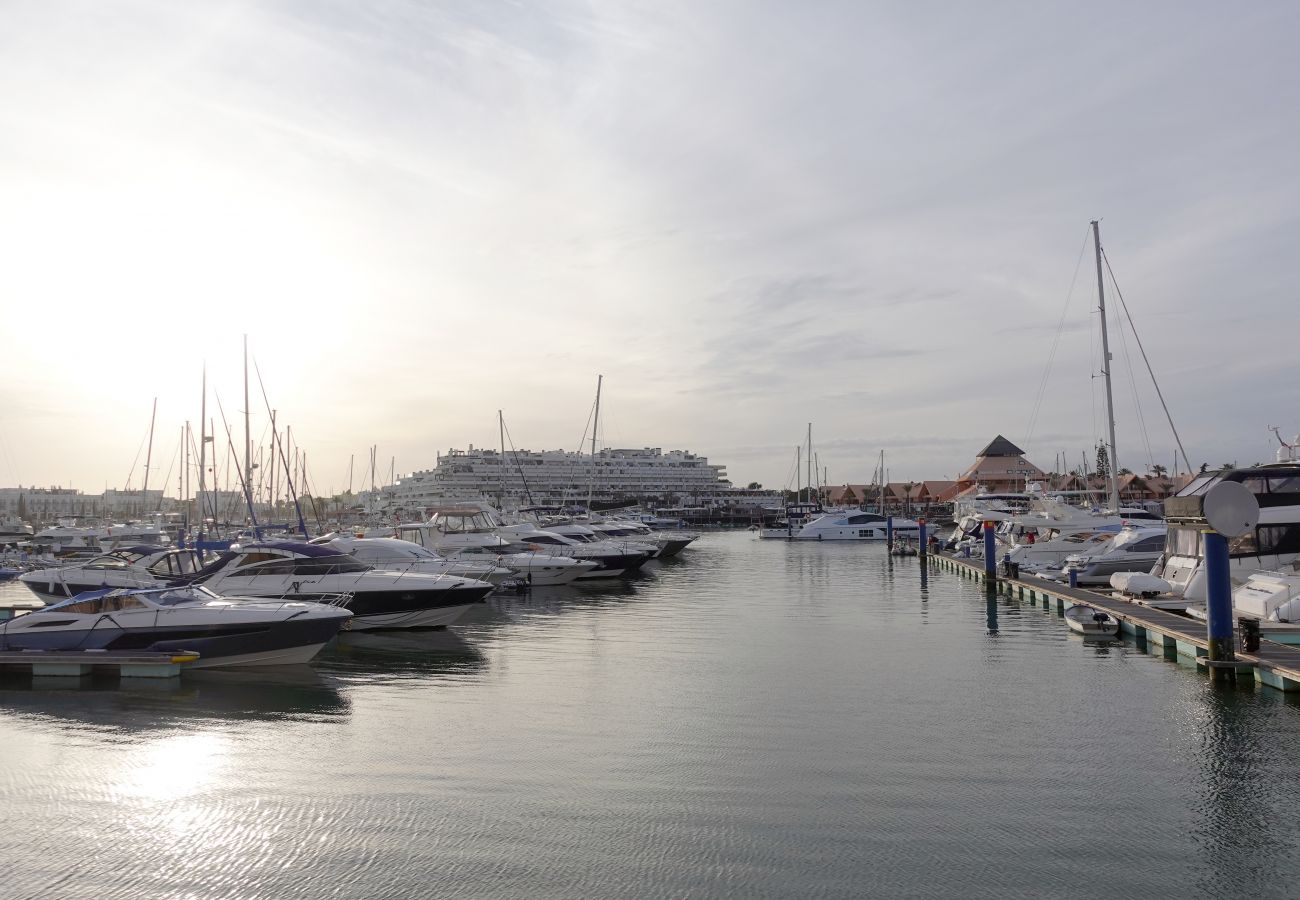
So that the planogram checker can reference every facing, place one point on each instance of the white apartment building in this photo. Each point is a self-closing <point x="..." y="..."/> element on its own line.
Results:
<point x="47" y="505"/>
<point x="556" y="476"/>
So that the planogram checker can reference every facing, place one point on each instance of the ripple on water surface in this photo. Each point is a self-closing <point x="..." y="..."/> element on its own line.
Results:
<point x="753" y="719"/>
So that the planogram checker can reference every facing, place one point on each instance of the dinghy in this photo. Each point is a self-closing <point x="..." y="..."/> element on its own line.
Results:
<point x="1091" y="622"/>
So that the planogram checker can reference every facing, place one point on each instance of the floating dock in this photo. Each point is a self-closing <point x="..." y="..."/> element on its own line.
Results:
<point x="78" y="663"/>
<point x="1275" y="665"/>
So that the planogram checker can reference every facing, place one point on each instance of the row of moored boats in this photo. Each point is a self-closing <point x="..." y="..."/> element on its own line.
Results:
<point x="279" y="601"/>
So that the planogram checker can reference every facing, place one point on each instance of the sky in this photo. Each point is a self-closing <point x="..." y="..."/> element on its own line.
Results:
<point x="746" y="216"/>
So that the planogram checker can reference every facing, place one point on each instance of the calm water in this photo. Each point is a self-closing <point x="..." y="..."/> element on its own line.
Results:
<point x="755" y="719"/>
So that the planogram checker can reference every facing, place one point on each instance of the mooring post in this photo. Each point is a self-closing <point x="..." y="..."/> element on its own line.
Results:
<point x="1074" y="576"/>
<point x="889" y="532"/>
<point x="990" y="553"/>
<point x="1218" y="605"/>
<point x="921" y="548"/>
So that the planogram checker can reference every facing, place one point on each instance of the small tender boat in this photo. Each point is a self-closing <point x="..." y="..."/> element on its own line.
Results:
<point x="1090" y="621"/>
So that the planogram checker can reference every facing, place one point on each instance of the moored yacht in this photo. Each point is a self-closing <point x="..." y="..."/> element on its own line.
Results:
<point x="127" y="567"/>
<point x="224" y="631"/>
<point x="398" y="555"/>
<point x="1274" y="543"/>
<point x="377" y="598"/>
<point x="851" y="525"/>
<point x="1134" y="548"/>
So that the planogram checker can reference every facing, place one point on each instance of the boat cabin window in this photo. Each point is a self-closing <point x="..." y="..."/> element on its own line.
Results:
<point x="106" y="562"/>
<point x="106" y="604"/>
<point x="859" y="520"/>
<point x="1278" y="539"/>
<point x="1183" y="542"/>
<point x="1285" y="485"/>
<point x="273" y="565"/>
<point x="252" y="559"/>
<point x="1148" y="544"/>
<point x="175" y="564"/>
<point x="328" y="565"/>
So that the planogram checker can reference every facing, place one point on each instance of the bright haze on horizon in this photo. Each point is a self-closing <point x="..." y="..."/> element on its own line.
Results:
<point x="746" y="216"/>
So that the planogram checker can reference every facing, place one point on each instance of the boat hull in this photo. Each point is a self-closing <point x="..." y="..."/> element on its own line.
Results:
<point x="283" y="642"/>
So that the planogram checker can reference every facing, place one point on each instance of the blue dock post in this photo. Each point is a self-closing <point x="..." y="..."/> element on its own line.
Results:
<point x="1218" y="606"/>
<point x="889" y="532"/>
<point x="1074" y="576"/>
<point x="990" y="553"/>
<point x="921" y="548"/>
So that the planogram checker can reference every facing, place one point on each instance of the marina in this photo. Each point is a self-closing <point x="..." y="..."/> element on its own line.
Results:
<point x="753" y="718"/>
<point x="649" y="451"/>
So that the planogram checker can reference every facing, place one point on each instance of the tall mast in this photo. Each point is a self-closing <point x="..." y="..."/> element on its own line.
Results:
<point x="595" y="422"/>
<point x="1105" y="356"/>
<point x="798" y="473"/>
<point x="882" y="482"/>
<point x="203" y="450"/>
<point x="275" y="437"/>
<point x="180" y="475"/>
<point x="186" y="437"/>
<point x="809" y="463"/>
<point x="148" y="458"/>
<point x="501" y="427"/>
<point x="248" y="436"/>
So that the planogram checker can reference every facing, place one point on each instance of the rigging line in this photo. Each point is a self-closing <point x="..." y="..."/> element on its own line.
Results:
<point x="248" y="497"/>
<point x="278" y="445"/>
<point x="1150" y="371"/>
<point x="1051" y="356"/>
<point x="131" y="475"/>
<point x="1137" y="401"/>
<point x="522" y="477"/>
<point x="1092" y="378"/>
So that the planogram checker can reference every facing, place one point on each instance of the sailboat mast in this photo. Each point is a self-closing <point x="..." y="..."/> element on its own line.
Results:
<point x="595" y="423"/>
<point x="1106" y="359"/>
<point x="501" y="429"/>
<point x="203" y="449"/>
<point x="248" y="435"/>
<point x="148" y="458"/>
<point x="809" y="462"/>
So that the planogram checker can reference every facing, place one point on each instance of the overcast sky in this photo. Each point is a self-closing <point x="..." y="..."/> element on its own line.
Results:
<point x="745" y="215"/>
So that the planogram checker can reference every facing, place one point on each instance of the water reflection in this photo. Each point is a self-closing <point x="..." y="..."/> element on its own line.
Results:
<point x="387" y="655"/>
<point x="281" y="694"/>
<point x="991" y="607"/>
<point x="1244" y="762"/>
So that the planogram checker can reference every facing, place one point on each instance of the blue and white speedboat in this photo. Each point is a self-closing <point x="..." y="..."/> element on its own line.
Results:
<point x="224" y="631"/>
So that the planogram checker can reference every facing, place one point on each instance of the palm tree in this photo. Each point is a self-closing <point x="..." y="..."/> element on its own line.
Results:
<point x="1158" y="470"/>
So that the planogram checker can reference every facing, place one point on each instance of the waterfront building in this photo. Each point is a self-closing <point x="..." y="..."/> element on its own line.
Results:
<point x="563" y="476"/>
<point x="1000" y="467"/>
<point x="33" y="504"/>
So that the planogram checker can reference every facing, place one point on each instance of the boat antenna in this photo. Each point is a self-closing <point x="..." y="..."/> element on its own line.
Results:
<point x="1113" y="461"/>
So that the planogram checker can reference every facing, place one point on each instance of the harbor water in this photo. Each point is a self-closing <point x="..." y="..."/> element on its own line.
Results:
<point x="753" y="719"/>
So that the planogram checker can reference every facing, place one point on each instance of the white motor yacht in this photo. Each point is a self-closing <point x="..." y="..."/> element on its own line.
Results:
<point x="853" y="525"/>
<point x="397" y="555"/>
<point x="127" y="567"/>
<point x="470" y="533"/>
<point x="224" y="631"/>
<point x="1273" y="545"/>
<point x="1134" y="548"/>
<point x="611" y="560"/>
<point x="376" y="597"/>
